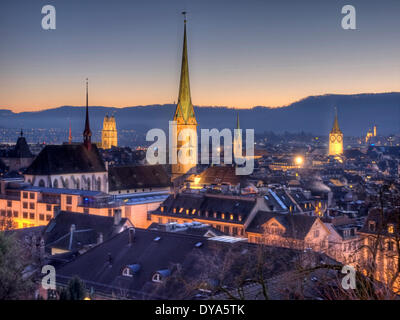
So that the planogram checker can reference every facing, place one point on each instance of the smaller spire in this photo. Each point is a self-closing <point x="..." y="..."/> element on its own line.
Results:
<point x="336" y="128"/>
<point x="87" y="133"/>
<point x="237" y="122"/>
<point x="70" y="133"/>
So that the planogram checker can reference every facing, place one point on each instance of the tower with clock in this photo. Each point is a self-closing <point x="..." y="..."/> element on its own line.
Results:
<point x="335" y="139"/>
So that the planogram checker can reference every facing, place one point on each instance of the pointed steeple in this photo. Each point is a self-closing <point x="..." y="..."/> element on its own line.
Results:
<point x="336" y="128"/>
<point x="184" y="113"/>
<point x="87" y="134"/>
<point x="70" y="133"/>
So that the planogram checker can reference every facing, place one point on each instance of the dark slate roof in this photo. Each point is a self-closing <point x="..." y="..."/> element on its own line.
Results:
<point x="21" y="149"/>
<point x="67" y="158"/>
<point x="390" y="216"/>
<point x="94" y="268"/>
<point x="297" y="225"/>
<point x="206" y="202"/>
<point x="87" y="229"/>
<point x="136" y="177"/>
<point x="218" y="175"/>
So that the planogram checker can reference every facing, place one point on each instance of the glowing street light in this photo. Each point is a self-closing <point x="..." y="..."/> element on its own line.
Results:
<point x="299" y="160"/>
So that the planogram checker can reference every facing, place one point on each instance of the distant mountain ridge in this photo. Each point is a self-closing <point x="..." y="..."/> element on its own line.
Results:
<point x="313" y="114"/>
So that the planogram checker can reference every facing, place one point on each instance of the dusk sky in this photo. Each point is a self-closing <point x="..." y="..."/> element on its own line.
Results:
<point x="241" y="53"/>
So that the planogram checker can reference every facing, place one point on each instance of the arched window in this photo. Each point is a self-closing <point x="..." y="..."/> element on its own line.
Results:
<point x="77" y="184"/>
<point x="55" y="183"/>
<point x="42" y="183"/>
<point x="67" y="183"/>
<point x="98" y="184"/>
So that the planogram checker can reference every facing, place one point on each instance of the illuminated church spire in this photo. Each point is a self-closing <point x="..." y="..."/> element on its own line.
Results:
<point x="237" y="141"/>
<point x="184" y="110"/>
<point x="335" y="128"/>
<point x="185" y="120"/>
<point x="87" y="134"/>
<point x="335" y="138"/>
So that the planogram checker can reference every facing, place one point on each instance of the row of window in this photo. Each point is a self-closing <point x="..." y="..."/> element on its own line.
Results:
<point x="215" y="215"/>
<point x="25" y="215"/>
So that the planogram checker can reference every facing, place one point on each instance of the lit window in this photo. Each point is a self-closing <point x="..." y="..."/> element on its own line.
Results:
<point x="222" y="215"/>
<point x="231" y="216"/>
<point x="390" y="228"/>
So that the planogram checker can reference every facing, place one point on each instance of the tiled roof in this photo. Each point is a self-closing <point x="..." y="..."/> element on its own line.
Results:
<point x="297" y="225"/>
<point x="137" y="177"/>
<point x="67" y="158"/>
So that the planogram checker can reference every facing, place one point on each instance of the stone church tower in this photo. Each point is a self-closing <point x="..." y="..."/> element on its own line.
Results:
<point x="185" y="119"/>
<point x="335" y="139"/>
<point x="109" y="135"/>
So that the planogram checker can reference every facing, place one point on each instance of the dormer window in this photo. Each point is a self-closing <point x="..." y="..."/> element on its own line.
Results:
<point x="180" y="210"/>
<point x="222" y="215"/>
<point x="174" y="210"/>
<point x="215" y="215"/>
<point x="162" y="209"/>
<point x="160" y="275"/>
<point x="131" y="270"/>
<point x="231" y="216"/>
<point x="240" y="217"/>
<point x="390" y="228"/>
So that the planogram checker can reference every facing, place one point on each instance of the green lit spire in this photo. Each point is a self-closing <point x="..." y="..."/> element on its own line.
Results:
<point x="184" y="110"/>
<point x="336" y="128"/>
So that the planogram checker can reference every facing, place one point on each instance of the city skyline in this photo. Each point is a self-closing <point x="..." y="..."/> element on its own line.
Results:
<point x="132" y="61"/>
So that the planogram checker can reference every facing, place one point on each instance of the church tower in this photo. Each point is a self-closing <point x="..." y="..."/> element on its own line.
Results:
<point x="185" y="118"/>
<point x="335" y="139"/>
<point x="237" y="141"/>
<point x="87" y="133"/>
<point x="109" y="135"/>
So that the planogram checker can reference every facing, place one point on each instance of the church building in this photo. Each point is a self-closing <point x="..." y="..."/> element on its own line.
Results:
<point x="70" y="166"/>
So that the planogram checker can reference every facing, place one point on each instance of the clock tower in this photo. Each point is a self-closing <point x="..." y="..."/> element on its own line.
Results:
<point x="336" y="139"/>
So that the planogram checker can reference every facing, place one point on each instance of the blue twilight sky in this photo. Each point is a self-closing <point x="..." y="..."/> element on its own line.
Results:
<point x="242" y="53"/>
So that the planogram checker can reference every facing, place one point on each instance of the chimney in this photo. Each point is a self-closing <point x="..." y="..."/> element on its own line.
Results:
<point x="100" y="238"/>
<point x="2" y="187"/>
<point x="131" y="235"/>
<point x="71" y="236"/>
<point x="117" y="216"/>
<point x="330" y="197"/>
<point x="56" y="211"/>
<point x="42" y="249"/>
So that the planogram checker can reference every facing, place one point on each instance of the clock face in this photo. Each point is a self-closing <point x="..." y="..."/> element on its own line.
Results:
<point x="333" y="138"/>
<point x="339" y="138"/>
